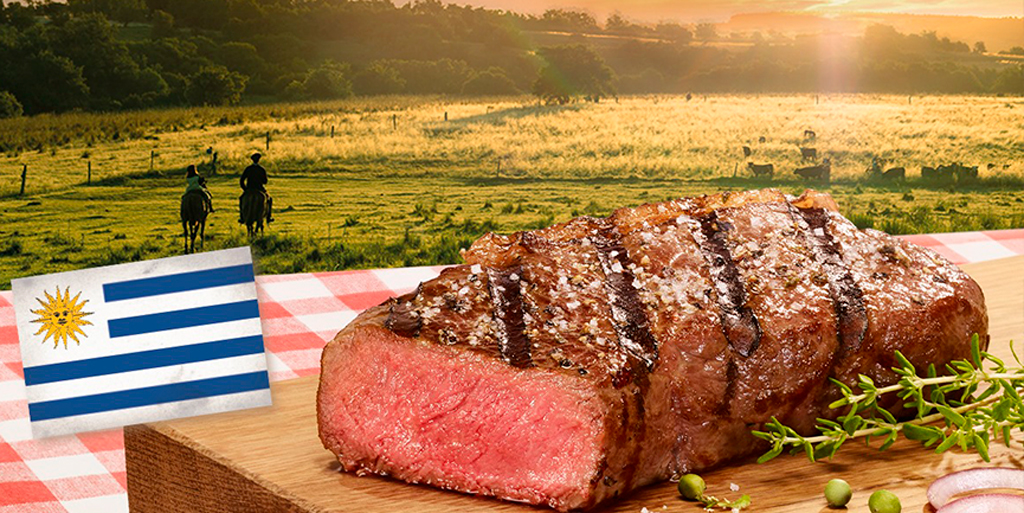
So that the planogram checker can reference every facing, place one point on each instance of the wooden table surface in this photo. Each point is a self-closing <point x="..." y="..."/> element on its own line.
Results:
<point x="271" y="459"/>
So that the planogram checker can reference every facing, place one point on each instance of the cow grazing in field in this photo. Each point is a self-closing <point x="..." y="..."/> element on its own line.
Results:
<point x="822" y="171"/>
<point x="944" y="173"/>
<point x="896" y="174"/>
<point x="809" y="154"/>
<point x="761" y="169"/>
<point x="747" y="152"/>
<point x="810" y="135"/>
<point x="964" y="173"/>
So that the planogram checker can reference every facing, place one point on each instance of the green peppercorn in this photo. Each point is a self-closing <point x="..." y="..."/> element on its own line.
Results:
<point x="691" y="487"/>
<point x="884" y="501"/>
<point x="837" y="493"/>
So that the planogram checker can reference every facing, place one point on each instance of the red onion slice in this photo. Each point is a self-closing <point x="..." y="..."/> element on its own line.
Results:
<point x="945" y="487"/>
<point x="986" y="503"/>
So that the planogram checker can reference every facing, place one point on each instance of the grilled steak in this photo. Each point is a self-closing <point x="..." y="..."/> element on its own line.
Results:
<point x="568" y="365"/>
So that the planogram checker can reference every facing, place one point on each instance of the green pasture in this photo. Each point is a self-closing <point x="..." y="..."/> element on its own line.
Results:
<point x="399" y="186"/>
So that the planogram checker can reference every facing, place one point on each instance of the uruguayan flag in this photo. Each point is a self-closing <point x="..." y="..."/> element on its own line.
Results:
<point x="141" y="342"/>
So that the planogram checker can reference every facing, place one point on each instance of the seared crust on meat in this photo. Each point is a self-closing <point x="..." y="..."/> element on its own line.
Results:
<point x="691" y="322"/>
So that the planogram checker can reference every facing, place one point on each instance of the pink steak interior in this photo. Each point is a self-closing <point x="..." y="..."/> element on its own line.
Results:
<point x="459" y="420"/>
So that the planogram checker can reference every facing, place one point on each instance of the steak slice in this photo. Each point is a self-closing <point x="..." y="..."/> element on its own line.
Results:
<point x="572" y="364"/>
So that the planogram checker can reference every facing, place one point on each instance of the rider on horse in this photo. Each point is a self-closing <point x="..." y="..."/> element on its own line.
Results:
<point x="254" y="179"/>
<point x="197" y="183"/>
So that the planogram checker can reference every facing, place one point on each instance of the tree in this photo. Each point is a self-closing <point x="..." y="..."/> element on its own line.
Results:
<point x="124" y="11"/>
<point x="569" y="21"/>
<point x="326" y="82"/>
<point x="979" y="47"/>
<point x="674" y="32"/>
<point x="241" y="57"/>
<point x="10" y="107"/>
<point x="378" y="78"/>
<point x="44" y="82"/>
<point x="616" y="24"/>
<point x="571" y="71"/>
<point x="706" y="32"/>
<point x="215" y="85"/>
<point x="163" y="24"/>
<point x="492" y="81"/>
<point x="91" y="43"/>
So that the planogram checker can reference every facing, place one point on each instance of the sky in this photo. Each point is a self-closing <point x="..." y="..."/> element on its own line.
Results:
<point x="721" y="10"/>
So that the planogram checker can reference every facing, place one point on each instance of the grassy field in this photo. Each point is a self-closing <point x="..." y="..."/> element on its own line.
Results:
<point x="398" y="185"/>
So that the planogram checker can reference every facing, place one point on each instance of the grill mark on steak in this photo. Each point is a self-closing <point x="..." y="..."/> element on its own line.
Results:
<point x="403" y="318"/>
<point x="846" y="294"/>
<point x="632" y="328"/>
<point x="740" y="325"/>
<point x="731" y="372"/>
<point x="507" y="296"/>
<point x="630" y="319"/>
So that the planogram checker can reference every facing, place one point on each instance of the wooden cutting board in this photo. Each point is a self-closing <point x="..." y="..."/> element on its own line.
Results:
<point x="270" y="459"/>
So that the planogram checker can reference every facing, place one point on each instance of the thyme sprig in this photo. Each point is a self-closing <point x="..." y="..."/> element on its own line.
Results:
<point x="978" y="400"/>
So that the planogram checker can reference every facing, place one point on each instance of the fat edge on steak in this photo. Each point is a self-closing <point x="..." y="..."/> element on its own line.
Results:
<point x="569" y="365"/>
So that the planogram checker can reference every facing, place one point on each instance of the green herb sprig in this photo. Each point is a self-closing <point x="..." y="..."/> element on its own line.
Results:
<point x="953" y="410"/>
<point x="712" y="503"/>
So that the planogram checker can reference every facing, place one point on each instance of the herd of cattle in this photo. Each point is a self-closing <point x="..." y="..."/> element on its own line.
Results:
<point x="821" y="171"/>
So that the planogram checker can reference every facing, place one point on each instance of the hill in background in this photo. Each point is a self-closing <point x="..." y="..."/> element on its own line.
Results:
<point x="998" y="34"/>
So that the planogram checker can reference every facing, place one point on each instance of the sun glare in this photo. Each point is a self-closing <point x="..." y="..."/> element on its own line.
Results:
<point x="61" y="317"/>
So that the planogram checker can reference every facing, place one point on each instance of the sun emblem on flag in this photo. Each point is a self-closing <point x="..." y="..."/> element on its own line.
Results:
<point x="62" y="317"/>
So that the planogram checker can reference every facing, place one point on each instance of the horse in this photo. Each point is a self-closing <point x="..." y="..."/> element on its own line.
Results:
<point x="810" y="135"/>
<point x="253" y="210"/>
<point x="193" y="219"/>
<point x="809" y="154"/>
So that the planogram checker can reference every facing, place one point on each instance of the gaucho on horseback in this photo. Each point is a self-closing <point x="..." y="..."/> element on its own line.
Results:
<point x="254" y="181"/>
<point x="254" y="203"/>
<point x="196" y="204"/>
<point x="197" y="184"/>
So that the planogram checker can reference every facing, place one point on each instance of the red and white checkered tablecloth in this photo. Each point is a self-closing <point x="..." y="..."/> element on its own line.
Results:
<point x="300" y="313"/>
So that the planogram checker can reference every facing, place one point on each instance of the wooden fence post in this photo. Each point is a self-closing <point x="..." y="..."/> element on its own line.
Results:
<point x="24" y="172"/>
<point x="88" y="177"/>
<point x="332" y="131"/>
<point x="152" y="157"/>
<point x="213" y="164"/>
<point x="446" y="115"/>
<point x="394" y="121"/>
<point x="268" y="140"/>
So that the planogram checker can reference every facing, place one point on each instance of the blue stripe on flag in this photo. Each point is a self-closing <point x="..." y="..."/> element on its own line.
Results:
<point x="170" y="283"/>
<point x="143" y="360"/>
<point x="183" y="318"/>
<point x="148" y="396"/>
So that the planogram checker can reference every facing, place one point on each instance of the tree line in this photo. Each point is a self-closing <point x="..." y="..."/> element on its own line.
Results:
<point x="133" y="54"/>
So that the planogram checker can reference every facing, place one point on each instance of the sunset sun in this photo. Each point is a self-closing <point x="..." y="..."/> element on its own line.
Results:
<point x="61" y="317"/>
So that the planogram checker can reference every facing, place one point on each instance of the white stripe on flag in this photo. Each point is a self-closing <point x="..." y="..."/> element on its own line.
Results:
<point x="181" y="300"/>
<point x="183" y="336"/>
<point x="152" y="413"/>
<point x="148" y="377"/>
